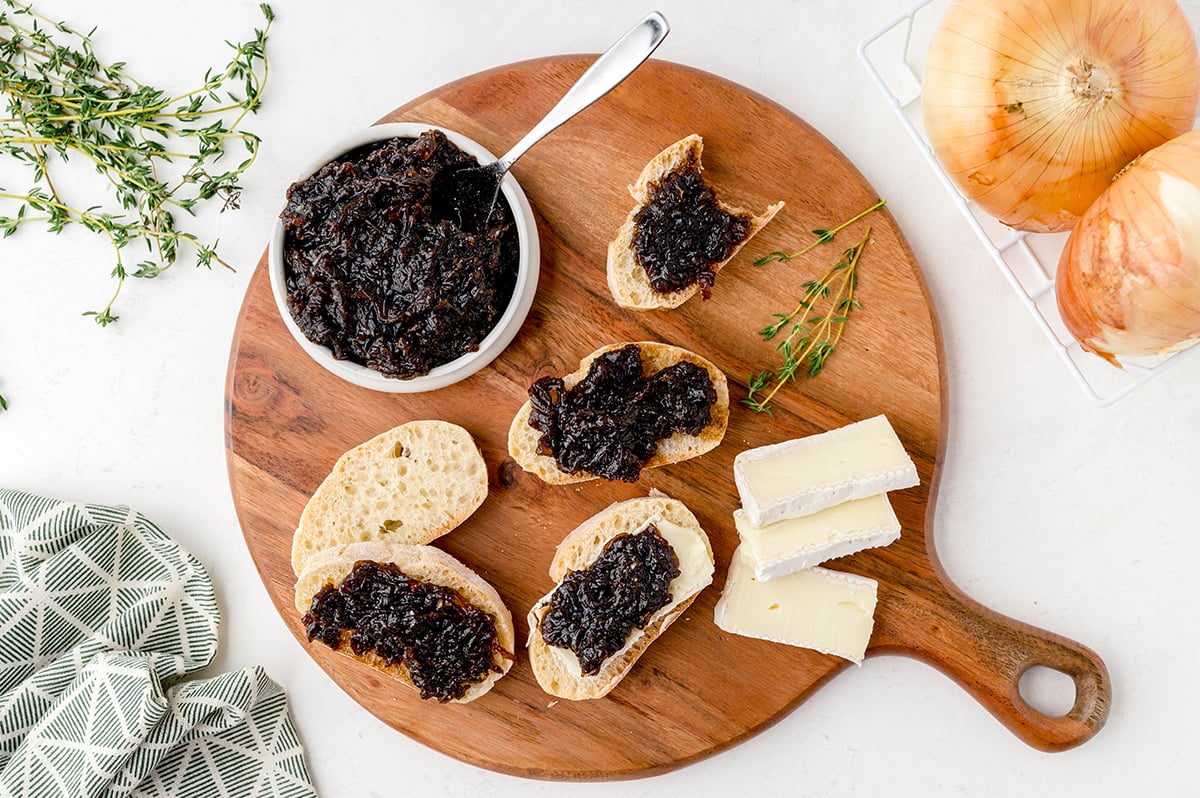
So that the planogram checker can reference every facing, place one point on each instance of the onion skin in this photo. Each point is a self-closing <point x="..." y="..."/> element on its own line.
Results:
<point x="1128" y="281"/>
<point x="1032" y="106"/>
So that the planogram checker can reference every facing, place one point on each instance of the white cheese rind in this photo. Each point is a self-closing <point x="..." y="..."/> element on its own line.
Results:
<point x="828" y="611"/>
<point x="803" y="476"/>
<point x="794" y="544"/>
<point x="695" y="573"/>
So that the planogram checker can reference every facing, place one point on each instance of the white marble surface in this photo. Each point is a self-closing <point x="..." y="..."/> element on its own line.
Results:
<point x="1074" y="518"/>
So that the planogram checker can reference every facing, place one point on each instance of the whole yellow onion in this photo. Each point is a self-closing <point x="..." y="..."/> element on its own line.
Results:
<point x="1128" y="282"/>
<point x="1032" y="106"/>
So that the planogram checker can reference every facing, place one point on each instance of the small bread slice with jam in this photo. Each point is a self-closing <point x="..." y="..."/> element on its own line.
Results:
<point x="651" y="556"/>
<point x="414" y="613"/>
<point x="411" y="484"/>
<point x="679" y="233"/>
<point x="628" y="407"/>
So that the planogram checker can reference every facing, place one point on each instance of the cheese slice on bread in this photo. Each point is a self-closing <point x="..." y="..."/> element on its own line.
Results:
<point x="425" y="564"/>
<point x="627" y="278"/>
<point x="557" y="668"/>
<point x="410" y="485"/>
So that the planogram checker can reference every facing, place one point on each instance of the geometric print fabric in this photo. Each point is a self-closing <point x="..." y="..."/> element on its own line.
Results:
<point x="99" y="611"/>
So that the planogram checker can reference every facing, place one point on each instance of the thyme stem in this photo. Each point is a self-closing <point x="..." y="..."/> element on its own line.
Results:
<point x="823" y="236"/>
<point x="62" y="101"/>
<point x="812" y="335"/>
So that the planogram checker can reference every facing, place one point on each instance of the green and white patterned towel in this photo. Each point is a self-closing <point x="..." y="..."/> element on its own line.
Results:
<point x="101" y="615"/>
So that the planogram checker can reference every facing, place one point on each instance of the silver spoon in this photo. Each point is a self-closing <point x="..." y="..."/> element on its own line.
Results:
<point x="469" y="194"/>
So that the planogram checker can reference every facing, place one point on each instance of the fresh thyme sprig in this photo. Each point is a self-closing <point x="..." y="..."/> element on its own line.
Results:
<point x="811" y="334"/>
<point x="64" y="103"/>
<point x="823" y="236"/>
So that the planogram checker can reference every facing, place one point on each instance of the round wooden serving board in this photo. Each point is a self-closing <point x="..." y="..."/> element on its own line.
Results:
<point x="697" y="690"/>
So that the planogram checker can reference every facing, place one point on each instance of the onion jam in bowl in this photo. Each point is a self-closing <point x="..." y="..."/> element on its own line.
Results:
<point x="376" y="286"/>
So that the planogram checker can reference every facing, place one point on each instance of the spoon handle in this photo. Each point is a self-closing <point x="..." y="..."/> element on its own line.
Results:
<point x="616" y="64"/>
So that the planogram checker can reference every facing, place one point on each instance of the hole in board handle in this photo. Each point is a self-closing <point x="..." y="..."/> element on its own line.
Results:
<point x="1047" y="690"/>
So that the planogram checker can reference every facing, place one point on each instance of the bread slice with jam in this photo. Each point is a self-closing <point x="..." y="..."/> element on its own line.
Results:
<point x="523" y="438"/>
<point x="628" y="279"/>
<point x="559" y="669"/>
<point x="426" y="565"/>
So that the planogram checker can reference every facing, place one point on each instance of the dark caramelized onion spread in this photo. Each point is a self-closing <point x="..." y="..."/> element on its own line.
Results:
<point x="593" y="611"/>
<point x="681" y="234"/>
<point x="376" y="275"/>
<point x="610" y="423"/>
<point x="447" y="643"/>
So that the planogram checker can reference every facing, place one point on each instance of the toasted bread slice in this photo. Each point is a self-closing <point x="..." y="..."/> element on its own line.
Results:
<point x="411" y="484"/>
<point x="557" y="669"/>
<point x="627" y="279"/>
<point x="523" y="438"/>
<point x="425" y="564"/>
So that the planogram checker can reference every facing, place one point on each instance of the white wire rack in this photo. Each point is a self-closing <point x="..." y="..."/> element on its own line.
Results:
<point x="894" y="57"/>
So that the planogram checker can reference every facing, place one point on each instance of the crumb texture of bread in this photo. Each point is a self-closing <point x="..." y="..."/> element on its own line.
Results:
<point x="578" y="551"/>
<point x="523" y="438"/>
<point x="627" y="279"/>
<point x="425" y="564"/>
<point x="410" y="485"/>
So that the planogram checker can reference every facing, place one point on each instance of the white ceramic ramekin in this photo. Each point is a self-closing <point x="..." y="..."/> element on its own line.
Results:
<point x="492" y="344"/>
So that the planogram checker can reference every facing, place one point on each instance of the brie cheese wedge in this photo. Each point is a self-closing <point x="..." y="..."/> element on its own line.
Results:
<point x="828" y="611"/>
<point x="794" y="544"/>
<point x="803" y="476"/>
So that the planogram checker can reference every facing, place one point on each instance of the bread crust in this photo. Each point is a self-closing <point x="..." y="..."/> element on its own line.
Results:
<point x="627" y="280"/>
<point x="577" y="551"/>
<point x="423" y="563"/>
<point x="411" y="484"/>
<point x="523" y="439"/>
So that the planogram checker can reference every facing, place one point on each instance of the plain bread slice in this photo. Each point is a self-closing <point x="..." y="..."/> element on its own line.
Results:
<point x="410" y="484"/>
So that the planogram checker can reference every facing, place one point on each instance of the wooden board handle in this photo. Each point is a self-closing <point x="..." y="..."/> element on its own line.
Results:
<point x="988" y="654"/>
